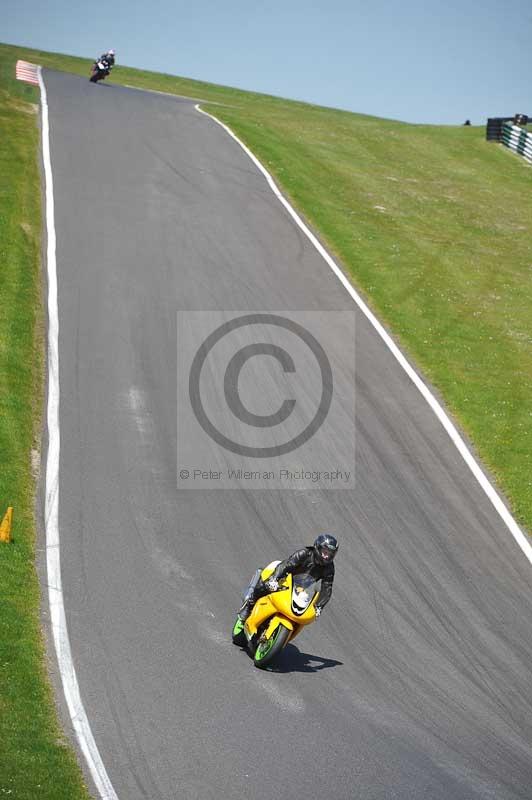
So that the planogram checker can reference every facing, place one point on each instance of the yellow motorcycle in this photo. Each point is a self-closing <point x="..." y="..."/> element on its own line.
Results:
<point x="277" y="617"/>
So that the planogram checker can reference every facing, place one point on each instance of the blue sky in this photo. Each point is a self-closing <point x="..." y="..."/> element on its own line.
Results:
<point x="435" y="62"/>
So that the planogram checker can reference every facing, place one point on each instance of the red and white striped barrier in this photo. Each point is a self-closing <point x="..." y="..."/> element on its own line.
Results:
<point x="27" y="72"/>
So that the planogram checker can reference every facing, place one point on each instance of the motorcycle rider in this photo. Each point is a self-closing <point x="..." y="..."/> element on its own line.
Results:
<point x="108" y="59"/>
<point x="316" y="560"/>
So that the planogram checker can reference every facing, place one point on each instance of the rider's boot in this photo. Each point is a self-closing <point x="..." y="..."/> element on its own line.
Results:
<point x="254" y="594"/>
<point x="246" y="609"/>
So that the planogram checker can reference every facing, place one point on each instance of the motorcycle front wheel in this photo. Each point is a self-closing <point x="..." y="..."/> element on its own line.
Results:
<point x="267" y="651"/>
<point x="238" y="635"/>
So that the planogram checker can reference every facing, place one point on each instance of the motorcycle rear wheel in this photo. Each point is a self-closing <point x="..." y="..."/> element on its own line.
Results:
<point x="267" y="651"/>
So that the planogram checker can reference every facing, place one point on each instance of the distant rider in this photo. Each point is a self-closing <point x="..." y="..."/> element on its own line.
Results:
<point x="108" y="60"/>
<point x="316" y="561"/>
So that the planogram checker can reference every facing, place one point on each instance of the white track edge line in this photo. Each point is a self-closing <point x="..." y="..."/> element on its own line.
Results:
<point x="51" y="509"/>
<point x="451" y="430"/>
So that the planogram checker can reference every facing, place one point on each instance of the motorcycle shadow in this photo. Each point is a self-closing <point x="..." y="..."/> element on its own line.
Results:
<point x="293" y="660"/>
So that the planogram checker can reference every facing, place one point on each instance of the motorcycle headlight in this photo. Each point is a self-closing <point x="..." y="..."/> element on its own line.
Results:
<point x="302" y="599"/>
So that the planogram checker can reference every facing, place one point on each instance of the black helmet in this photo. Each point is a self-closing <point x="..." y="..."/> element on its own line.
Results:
<point x="325" y="548"/>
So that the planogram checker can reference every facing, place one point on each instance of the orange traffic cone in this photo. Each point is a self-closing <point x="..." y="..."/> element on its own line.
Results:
<point x="5" y="527"/>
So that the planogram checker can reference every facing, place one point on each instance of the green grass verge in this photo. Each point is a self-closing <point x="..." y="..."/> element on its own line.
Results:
<point x="433" y="224"/>
<point x="34" y="761"/>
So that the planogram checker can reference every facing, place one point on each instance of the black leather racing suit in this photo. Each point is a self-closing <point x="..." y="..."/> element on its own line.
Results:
<point x="301" y="561"/>
<point x="108" y="61"/>
<point x="109" y="58"/>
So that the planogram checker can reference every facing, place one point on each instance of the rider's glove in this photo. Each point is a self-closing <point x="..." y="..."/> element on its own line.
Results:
<point x="317" y="611"/>
<point x="272" y="584"/>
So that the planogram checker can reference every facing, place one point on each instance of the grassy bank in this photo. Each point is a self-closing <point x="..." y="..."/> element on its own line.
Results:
<point x="34" y="762"/>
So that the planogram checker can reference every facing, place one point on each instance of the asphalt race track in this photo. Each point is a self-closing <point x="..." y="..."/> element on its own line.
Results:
<point x="415" y="683"/>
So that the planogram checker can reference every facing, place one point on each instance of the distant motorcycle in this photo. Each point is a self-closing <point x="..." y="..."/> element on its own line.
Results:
<point x="100" y="70"/>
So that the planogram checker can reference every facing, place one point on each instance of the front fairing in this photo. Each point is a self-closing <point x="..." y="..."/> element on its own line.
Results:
<point x="305" y="591"/>
<point x="281" y="603"/>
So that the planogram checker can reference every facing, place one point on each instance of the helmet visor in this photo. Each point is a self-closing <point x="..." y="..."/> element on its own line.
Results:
<point x="326" y="553"/>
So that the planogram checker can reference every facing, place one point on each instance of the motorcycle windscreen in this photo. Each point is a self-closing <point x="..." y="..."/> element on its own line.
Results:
<point x="304" y="589"/>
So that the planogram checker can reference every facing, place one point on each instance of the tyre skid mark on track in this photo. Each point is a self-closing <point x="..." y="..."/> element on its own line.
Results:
<point x="287" y="701"/>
